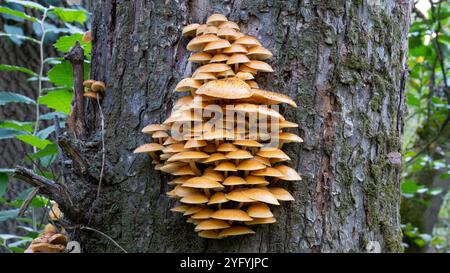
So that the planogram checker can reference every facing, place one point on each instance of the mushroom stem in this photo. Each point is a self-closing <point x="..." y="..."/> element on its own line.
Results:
<point x="207" y="192"/>
<point x="217" y="142"/>
<point x="153" y="155"/>
<point x="246" y="173"/>
<point x="194" y="167"/>
<point x="237" y="162"/>
<point x="193" y="93"/>
<point x="225" y="174"/>
<point x="275" y="180"/>
<point x="280" y="145"/>
<point x="239" y="205"/>
<point x="220" y="205"/>
<point x="236" y="68"/>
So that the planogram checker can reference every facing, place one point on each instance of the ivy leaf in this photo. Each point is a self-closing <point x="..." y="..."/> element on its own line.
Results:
<point x="28" y="4"/>
<point x="10" y="97"/>
<point x="62" y="74"/>
<point x="6" y="67"/>
<point x="6" y="133"/>
<point x="17" y="125"/>
<point x="18" y="14"/>
<point x="34" y="141"/>
<point x="17" y="38"/>
<point x="51" y="149"/>
<point x="71" y="15"/>
<point x="58" y="100"/>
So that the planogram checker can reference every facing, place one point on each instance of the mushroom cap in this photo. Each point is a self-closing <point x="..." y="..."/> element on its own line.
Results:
<point x="245" y="76"/>
<point x="213" y="174"/>
<point x="289" y="174"/>
<point x="249" y="41"/>
<point x="268" y="97"/>
<point x="190" y="155"/>
<point x="92" y="95"/>
<point x="281" y="194"/>
<point x="210" y="148"/>
<point x="210" y="30"/>
<point x="261" y="195"/>
<point x="232" y="88"/>
<point x="211" y="224"/>
<point x="256" y="180"/>
<point x="55" y="213"/>
<point x="245" y="68"/>
<point x="190" y="30"/>
<point x="203" y="214"/>
<point x="199" y="42"/>
<point x="201" y="29"/>
<point x="214" y="157"/>
<point x="226" y="147"/>
<point x="235" y="231"/>
<point x="238" y="58"/>
<point x="259" y="210"/>
<point x="200" y="57"/>
<point x="213" y="68"/>
<point x="226" y="166"/>
<point x="197" y="198"/>
<point x="261" y="221"/>
<point x="237" y="196"/>
<point x="263" y="160"/>
<point x="235" y="48"/>
<point x="289" y="137"/>
<point x="204" y="76"/>
<point x="182" y="103"/>
<point x="219" y="58"/>
<point x="160" y="134"/>
<point x="46" y="248"/>
<point x="273" y="153"/>
<point x="287" y="124"/>
<point x="193" y="221"/>
<point x="209" y="234"/>
<point x="175" y="148"/>
<point x="239" y="154"/>
<point x="188" y="84"/>
<point x="231" y="215"/>
<point x="269" y="171"/>
<point x="229" y="24"/>
<point x="58" y="239"/>
<point x="148" y="148"/>
<point x="153" y="128"/>
<point x="98" y="87"/>
<point x="259" y="66"/>
<point x="228" y="33"/>
<point x="250" y="165"/>
<point x="252" y="84"/>
<point x="172" y="167"/>
<point x="180" y="208"/>
<point x="192" y="210"/>
<point x="247" y="143"/>
<point x="182" y="191"/>
<point x="234" y="181"/>
<point x="202" y="182"/>
<point x="259" y="52"/>
<point x="226" y="74"/>
<point x="88" y="83"/>
<point x="218" y="198"/>
<point x="216" y="19"/>
<point x="194" y="143"/>
<point x="185" y="170"/>
<point x="217" y="44"/>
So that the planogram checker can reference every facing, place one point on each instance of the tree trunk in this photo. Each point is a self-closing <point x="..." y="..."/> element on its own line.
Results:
<point x="344" y="63"/>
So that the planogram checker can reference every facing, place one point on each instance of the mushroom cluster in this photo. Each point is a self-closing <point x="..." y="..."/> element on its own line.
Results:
<point x="94" y="89"/>
<point x="50" y="242"/>
<point x="228" y="168"/>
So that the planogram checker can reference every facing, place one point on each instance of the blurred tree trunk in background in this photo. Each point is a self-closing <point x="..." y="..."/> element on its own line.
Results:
<point x="344" y="64"/>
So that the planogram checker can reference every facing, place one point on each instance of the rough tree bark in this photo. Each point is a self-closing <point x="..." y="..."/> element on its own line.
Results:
<point x="342" y="61"/>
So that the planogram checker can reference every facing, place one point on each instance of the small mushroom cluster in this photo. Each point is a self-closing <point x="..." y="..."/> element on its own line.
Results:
<point x="50" y="242"/>
<point x="226" y="175"/>
<point x="94" y="89"/>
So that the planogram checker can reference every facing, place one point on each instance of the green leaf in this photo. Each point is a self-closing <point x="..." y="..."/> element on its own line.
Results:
<point x="61" y="74"/>
<point x="6" y="133"/>
<point x="17" y="125"/>
<point x="34" y="141"/>
<point x="52" y="115"/>
<point x="3" y="183"/>
<point x="18" y="14"/>
<point x="58" y="100"/>
<point x="20" y="37"/>
<point x="65" y="43"/>
<point x="28" y="4"/>
<point x="412" y="100"/>
<point x="8" y="214"/>
<point x="10" y="97"/>
<point x="6" y="67"/>
<point x="51" y="149"/>
<point x="71" y="15"/>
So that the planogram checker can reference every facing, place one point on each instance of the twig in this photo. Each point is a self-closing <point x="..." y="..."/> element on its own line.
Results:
<point x="26" y="203"/>
<point x="104" y="235"/>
